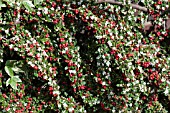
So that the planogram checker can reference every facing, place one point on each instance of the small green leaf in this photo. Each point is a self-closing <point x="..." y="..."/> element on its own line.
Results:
<point x="140" y="69"/>
<point x="9" y="71"/>
<point x="2" y="5"/>
<point x="10" y="63"/>
<point x="13" y="84"/>
<point x="16" y="79"/>
<point x="43" y="40"/>
<point x="8" y="81"/>
<point x="0" y="83"/>
<point x="28" y="5"/>
<point x="10" y="2"/>
<point x="17" y="70"/>
<point x="36" y="2"/>
<point x="35" y="74"/>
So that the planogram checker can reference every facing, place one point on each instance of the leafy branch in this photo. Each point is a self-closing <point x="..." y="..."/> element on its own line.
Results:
<point x="10" y="68"/>
<point x="135" y="6"/>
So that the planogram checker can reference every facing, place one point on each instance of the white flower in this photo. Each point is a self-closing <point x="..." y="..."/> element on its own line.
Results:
<point x="29" y="62"/>
<point x="15" y="49"/>
<point x="113" y="110"/>
<point x="163" y="69"/>
<point x="7" y="31"/>
<point x="129" y="43"/>
<point x="28" y="42"/>
<point x="166" y="92"/>
<point x="104" y="72"/>
<point x="130" y="33"/>
<point x="11" y="46"/>
<point x="98" y="37"/>
<point x="72" y="71"/>
<point x="103" y="83"/>
<point x="120" y="56"/>
<point x="95" y="18"/>
<point x="65" y="105"/>
<point x="129" y="64"/>
<point x="109" y="43"/>
<point x="34" y="41"/>
<point x="56" y="92"/>
<point x="121" y="37"/>
<point x="92" y="17"/>
<point x="83" y="97"/>
<point x="70" y="109"/>
<point x="39" y="49"/>
<point x="52" y="8"/>
<point x="128" y="84"/>
<point x="163" y="79"/>
<point x="130" y="104"/>
<point x="87" y="17"/>
<point x="137" y="81"/>
<point x="140" y="69"/>
<point x="38" y="13"/>
<point x="158" y="6"/>
<point x="106" y="23"/>
<point x="143" y="1"/>
<point x="59" y="105"/>
<point x="78" y="60"/>
<point x="44" y="53"/>
<point x="50" y="69"/>
<point x="82" y="32"/>
<point x="108" y="63"/>
<point x="45" y="77"/>
<point x="130" y="18"/>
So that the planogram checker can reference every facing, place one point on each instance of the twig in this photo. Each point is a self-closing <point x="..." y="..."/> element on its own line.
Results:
<point x="147" y="25"/>
<point x="58" y="81"/>
<point x="135" y="6"/>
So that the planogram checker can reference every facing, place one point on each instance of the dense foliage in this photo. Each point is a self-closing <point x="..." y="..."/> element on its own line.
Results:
<point x="83" y="56"/>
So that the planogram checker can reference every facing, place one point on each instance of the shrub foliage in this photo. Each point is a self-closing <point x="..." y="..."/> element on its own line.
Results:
<point x="83" y="56"/>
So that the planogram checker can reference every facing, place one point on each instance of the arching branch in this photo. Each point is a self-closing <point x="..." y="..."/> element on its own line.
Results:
<point x="148" y="24"/>
<point x="135" y="6"/>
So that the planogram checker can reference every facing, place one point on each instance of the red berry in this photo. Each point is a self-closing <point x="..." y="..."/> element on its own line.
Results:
<point x="53" y="4"/>
<point x="76" y="11"/>
<point x="80" y="75"/>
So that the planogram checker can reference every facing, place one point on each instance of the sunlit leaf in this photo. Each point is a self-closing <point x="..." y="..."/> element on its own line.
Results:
<point x="9" y="1"/>
<point x="10" y="63"/>
<point x="13" y="84"/>
<point x="17" y="70"/>
<point x="8" y="82"/>
<point x="36" y="2"/>
<point x="28" y="5"/>
<point x="9" y="71"/>
<point x="16" y="79"/>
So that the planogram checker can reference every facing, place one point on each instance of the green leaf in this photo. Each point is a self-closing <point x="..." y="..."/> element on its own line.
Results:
<point x="0" y="83"/>
<point x="9" y="2"/>
<point x="36" y="2"/>
<point x="140" y="69"/>
<point x="43" y="40"/>
<point x="8" y="81"/>
<point x="13" y="84"/>
<point x="35" y="74"/>
<point x="16" y="79"/>
<point x="10" y="63"/>
<point x="9" y="71"/>
<point x="28" y="5"/>
<point x="17" y="70"/>
<point x="2" y="5"/>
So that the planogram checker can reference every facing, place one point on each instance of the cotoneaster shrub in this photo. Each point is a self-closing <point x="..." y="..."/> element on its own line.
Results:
<point x="80" y="56"/>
